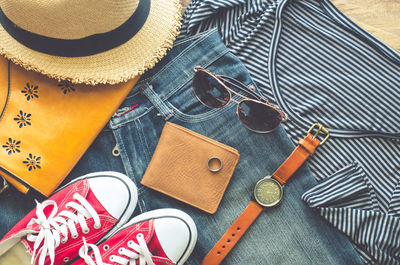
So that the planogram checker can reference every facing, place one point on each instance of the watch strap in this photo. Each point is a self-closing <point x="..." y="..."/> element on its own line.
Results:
<point x="305" y="148"/>
<point x="233" y="234"/>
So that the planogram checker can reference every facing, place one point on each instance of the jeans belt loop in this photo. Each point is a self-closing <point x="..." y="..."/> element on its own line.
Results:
<point x="158" y="103"/>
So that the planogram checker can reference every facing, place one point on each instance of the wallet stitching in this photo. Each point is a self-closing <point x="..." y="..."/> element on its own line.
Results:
<point x="201" y="207"/>
<point x="204" y="138"/>
<point x="214" y="207"/>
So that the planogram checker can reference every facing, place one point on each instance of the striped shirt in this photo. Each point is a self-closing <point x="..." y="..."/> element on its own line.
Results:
<point x="319" y="66"/>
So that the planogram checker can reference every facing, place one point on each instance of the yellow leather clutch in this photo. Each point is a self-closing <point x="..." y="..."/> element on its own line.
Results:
<point x="180" y="167"/>
<point x="46" y="126"/>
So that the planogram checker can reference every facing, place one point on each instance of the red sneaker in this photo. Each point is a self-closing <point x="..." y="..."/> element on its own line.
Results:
<point x="52" y="233"/>
<point x="160" y="237"/>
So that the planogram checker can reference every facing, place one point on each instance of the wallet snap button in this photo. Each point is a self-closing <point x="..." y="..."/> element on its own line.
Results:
<point x="214" y="164"/>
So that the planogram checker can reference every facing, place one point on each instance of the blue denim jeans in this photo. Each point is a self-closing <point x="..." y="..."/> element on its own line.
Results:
<point x="288" y="234"/>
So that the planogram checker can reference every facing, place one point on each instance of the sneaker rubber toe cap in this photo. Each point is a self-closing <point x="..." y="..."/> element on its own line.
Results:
<point x="174" y="236"/>
<point x="112" y="193"/>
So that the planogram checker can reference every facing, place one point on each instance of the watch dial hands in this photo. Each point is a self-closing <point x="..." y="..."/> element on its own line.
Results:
<point x="268" y="192"/>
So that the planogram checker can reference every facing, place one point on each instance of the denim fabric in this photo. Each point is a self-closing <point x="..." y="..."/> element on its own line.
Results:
<point x="288" y="234"/>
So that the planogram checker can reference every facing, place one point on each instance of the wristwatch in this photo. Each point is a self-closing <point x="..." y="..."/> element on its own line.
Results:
<point x="268" y="192"/>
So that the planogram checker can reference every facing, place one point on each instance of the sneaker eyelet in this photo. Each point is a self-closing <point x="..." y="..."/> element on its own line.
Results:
<point x="92" y="254"/>
<point x="130" y="243"/>
<point x="64" y="240"/>
<point x="120" y="250"/>
<point x="106" y="247"/>
<point x="74" y="236"/>
<point x="86" y="231"/>
<point x="66" y="259"/>
<point x="139" y="235"/>
<point x="97" y="226"/>
<point x="111" y="258"/>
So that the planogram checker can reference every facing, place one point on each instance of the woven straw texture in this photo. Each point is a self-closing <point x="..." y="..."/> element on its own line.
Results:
<point x="120" y="64"/>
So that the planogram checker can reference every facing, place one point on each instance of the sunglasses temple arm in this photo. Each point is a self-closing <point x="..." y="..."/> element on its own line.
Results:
<point x="243" y="88"/>
<point x="240" y="86"/>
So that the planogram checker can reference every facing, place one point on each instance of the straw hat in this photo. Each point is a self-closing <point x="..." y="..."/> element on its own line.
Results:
<point x="88" y="41"/>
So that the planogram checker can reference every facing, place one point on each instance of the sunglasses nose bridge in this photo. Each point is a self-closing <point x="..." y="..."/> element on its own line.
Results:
<point x="197" y="68"/>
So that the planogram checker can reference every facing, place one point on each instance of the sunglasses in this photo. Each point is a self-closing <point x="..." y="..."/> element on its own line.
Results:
<point x="254" y="111"/>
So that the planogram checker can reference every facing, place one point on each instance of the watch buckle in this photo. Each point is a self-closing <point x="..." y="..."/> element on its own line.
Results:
<point x="319" y="128"/>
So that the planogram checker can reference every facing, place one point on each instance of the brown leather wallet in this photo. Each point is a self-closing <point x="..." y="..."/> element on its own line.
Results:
<point x="180" y="167"/>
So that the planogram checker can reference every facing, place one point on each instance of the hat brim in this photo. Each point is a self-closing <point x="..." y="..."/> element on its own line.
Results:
<point x="117" y="65"/>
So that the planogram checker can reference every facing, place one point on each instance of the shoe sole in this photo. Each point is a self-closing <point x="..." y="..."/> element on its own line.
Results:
<point x="133" y="197"/>
<point x="160" y="213"/>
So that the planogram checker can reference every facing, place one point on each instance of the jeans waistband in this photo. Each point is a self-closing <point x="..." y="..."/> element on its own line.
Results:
<point x="203" y="50"/>
<point x="171" y="73"/>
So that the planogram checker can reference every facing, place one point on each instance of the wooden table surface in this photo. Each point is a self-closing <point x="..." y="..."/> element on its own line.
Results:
<point x="381" y="18"/>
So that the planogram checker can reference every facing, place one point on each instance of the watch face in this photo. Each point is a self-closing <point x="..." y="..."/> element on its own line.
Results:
<point x="268" y="192"/>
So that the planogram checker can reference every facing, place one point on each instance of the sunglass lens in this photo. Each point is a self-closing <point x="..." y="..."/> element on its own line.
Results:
<point x="209" y="91"/>
<point x="257" y="116"/>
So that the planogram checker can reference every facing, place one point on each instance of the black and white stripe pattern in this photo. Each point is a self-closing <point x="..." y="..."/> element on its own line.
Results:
<point x="347" y="200"/>
<point x="320" y="67"/>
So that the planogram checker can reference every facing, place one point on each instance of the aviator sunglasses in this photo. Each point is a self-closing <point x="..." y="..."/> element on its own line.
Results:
<point x="254" y="111"/>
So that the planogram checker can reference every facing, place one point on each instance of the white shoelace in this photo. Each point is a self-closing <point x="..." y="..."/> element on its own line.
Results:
<point x="141" y="252"/>
<point x="51" y="227"/>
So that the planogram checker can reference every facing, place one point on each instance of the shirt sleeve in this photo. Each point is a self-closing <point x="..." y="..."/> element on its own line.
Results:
<point x="347" y="200"/>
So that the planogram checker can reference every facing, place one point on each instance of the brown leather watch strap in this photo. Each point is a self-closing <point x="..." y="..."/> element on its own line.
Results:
<point x="304" y="149"/>
<point x="234" y="233"/>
